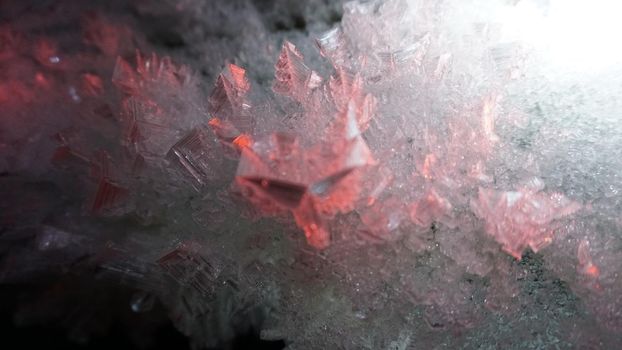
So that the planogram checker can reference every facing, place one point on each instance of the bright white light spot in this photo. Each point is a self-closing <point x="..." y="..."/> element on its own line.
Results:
<point x="580" y="35"/>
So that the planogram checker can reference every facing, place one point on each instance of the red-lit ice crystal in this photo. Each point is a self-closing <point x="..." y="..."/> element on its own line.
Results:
<point x="151" y="76"/>
<point x="312" y="178"/>
<point x="404" y="139"/>
<point x="293" y="78"/>
<point x="160" y="104"/>
<point x="313" y="184"/>
<point x="229" y="103"/>
<point x="521" y="219"/>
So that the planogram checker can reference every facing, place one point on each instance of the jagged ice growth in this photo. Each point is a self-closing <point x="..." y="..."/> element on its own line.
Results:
<point x="395" y="181"/>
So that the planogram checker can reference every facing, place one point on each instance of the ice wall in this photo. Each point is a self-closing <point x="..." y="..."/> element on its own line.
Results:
<point x="413" y="176"/>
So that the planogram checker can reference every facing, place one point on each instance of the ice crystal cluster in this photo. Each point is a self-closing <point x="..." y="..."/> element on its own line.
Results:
<point x="407" y="177"/>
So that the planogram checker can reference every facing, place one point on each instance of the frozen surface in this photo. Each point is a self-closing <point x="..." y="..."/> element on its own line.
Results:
<point x="368" y="175"/>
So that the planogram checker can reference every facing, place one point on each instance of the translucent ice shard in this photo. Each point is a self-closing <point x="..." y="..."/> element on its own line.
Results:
<point x="278" y="156"/>
<point x="335" y="182"/>
<point x="332" y="45"/>
<point x="324" y="186"/>
<point x="228" y="101"/>
<point x="224" y="130"/>
<point x="293" y="78"/>
<point x="194" y="155"/>
<point x="344" y="86"/>
<point x="148" y="128"/>
<point x="411" y="55"/>
<point x="374" y="183"/>
<point x="521" y="219"/>
<point x="356" y="107"/>
<point x="160" y="105"/>
<point x="356" y="154"/>
<point x="152" y="74"/>
<point x="154" y="68"/>
<point x="321" y="179"/>
<point x="312" y="184"/>
<point x="272" y="170"/>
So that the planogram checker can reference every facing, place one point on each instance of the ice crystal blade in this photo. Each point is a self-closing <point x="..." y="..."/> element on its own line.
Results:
<point x="194" y="156"/>
<point x="228" y="101"/>
<point x="293" y="78"/>
<point x="518" y="219"/>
